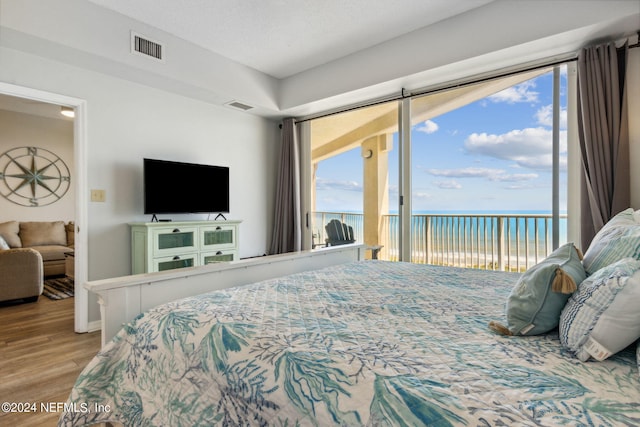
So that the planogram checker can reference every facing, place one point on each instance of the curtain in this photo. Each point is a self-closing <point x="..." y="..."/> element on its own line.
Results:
<point x="603" y="134"/>
<point x="287" y="234"/>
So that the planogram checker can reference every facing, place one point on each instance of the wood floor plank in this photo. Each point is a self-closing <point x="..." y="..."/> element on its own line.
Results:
<point x="41" y="357"/>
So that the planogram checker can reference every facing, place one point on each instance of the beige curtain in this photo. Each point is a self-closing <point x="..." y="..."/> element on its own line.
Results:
<point x="287" y="230"/>
<point x="604" y="136"/>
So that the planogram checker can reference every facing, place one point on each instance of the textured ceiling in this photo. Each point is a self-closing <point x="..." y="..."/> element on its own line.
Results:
<point x="284" y="37"/>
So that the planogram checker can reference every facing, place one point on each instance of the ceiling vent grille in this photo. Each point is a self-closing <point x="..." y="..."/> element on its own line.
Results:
<point x="239" y="105"/>
<point x="144" y="46"/>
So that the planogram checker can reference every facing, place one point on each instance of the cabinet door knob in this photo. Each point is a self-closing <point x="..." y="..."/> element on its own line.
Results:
<point x="219" y="253"/>
<point x="176" y="230"/>
<point x="218" y="228"/>
<point x="175" y="258"/>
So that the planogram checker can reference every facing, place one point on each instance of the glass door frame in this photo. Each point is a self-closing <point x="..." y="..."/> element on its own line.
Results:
<point x="404" y="168"/>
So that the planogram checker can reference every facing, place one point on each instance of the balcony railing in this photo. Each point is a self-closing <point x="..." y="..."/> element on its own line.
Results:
<point x="509" y="242"/>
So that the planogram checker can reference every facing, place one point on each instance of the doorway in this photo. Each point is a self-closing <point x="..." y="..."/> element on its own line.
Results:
<point x="81" y="299"/>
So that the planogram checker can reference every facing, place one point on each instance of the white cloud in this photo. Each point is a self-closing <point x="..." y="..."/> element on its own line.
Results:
<point x="448" y="185"/>
<point x="544" y="116"/>
<point x="519" y="187"/>
<point x="465" y="172"/>
<point x="420" y="195"/>
<point x="331" y="185"/>
<point x="519" y="93"/>
<point x="530" y="147"/>
<point x="491" y="174"/>
<point x="514" y="177"/>
<point x="428" y="127"/>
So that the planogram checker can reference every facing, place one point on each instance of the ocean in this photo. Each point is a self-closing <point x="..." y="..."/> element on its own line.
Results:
<point x="513" y="239"/>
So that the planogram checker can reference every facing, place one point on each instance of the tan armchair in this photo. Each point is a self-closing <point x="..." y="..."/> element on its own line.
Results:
<point x="20" y="274"/>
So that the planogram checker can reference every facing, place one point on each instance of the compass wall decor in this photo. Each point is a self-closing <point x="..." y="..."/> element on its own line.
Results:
<point x="33" y="176"/>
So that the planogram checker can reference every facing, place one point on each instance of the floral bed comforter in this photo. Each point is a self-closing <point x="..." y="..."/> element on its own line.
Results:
<point x="367" y="343"/>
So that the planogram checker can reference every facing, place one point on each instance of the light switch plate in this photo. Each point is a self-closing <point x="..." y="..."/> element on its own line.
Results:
<point x="98" y="195"/>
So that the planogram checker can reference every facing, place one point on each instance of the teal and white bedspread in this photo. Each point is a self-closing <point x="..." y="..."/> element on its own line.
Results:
<point x="369" y="343"/>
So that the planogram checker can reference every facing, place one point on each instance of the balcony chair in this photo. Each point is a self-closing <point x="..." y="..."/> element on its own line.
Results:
<point x="339" y="233"/>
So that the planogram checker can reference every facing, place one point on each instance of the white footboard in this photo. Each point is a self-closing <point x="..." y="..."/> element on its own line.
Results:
<point x="123" y="298"/>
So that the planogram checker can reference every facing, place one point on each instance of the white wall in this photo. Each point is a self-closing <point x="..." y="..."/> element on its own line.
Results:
<point x="128" y="121"/>
<point x="25" y="130"/>
<point x="92" y="37"/>
<point x="500" y="34"/>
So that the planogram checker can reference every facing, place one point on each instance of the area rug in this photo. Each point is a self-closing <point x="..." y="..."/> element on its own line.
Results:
<point x="58" y="288"/>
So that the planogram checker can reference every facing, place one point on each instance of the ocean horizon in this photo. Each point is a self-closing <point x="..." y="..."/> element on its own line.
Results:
<point x="459" y="232"/>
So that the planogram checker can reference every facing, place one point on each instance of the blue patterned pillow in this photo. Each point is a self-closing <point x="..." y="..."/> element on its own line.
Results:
<point x="535" y="302"/>
<point x="602" y="317"/>
<point x="638" y="356"/>
<point x="619" y="238"/>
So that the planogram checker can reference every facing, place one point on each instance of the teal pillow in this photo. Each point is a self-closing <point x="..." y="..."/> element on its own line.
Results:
<point x="537" y="299"/>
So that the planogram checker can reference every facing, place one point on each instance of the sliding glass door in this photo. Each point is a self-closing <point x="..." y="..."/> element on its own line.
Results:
<point x="483" y="173"/>
<point x="354" y="172"/>
<point x="481" y="183"/>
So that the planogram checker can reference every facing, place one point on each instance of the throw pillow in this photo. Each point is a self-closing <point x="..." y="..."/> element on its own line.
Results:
<point x="70" y="228"/>
<point x="9" y="231"/>
<point x="638" y="356"/>
<point x="619" y="238"/>
<point x="602" y="317"/>
<point x="3" y="244"/>
<point x="536" y="301"/>
<point x="43" y="233"/>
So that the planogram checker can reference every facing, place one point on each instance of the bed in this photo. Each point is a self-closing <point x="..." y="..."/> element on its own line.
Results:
<point x="370" y="343"/>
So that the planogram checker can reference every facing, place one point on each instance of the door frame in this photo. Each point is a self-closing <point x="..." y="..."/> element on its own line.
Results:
<point x="81" y="299"/>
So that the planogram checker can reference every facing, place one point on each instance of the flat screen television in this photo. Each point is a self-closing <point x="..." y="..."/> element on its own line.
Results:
<point x="175" y="188"/>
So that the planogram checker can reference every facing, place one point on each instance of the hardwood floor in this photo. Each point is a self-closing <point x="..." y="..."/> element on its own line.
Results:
<point x="40" y="357"/>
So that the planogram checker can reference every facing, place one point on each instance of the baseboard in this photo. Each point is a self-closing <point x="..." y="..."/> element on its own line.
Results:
<point x="94" y="326"/>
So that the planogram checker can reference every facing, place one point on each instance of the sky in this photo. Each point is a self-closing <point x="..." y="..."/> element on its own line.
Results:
<point x="491" y="155"/>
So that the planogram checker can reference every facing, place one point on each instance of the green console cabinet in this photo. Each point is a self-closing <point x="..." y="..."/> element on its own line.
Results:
<point x="160" y="246"/>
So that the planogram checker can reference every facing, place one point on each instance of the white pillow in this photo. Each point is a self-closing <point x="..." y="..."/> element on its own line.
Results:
<point x="619" y="238"/>
<point x="3" y="243"/>
<point x="602" y="317"/>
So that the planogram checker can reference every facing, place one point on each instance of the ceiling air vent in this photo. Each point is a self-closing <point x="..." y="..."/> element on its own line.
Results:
<point x="144" y="46"/>
<point x="239" y="105"/>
